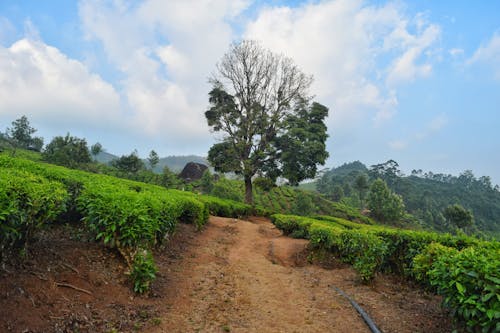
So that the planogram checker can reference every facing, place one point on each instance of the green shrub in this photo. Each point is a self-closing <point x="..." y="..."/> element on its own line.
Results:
<point x="143" y="271"/>
<point x="469" y="281"/>
<point x="27" y="202"/>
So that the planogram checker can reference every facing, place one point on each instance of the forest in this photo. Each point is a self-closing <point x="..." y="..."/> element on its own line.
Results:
<point x="426" y="195"/>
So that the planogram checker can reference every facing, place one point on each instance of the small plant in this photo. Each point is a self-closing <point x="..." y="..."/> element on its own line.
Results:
<point x="143" y="271"/>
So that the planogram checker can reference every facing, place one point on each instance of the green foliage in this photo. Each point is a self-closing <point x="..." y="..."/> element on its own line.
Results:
<point x="264" y="184"/>
<point x="128" y="163"/>
<point x="425" y="195"/>
<point x="131" y="216"/>
<point x="27" y="202"/>
<point x="143" y="271"/>
<point x="458" y="216"/>
<point x="228" y="208"/>
<point x="303" y="204"/>
<point x="303" y="145"/>
<point x="337" y="193"/>
<point x="469" y="281"/>
<point x="344" y="176"/>
<point x="20" y="135"/>
<point x="384" y="205"/>
<point x="365" y="250"/>
<point x="95" y="149"/>
<point x="153" y="159"/>
<point x="226" y="189"/>
<point x="465" y="270"/>
<point x="207" y="182"/>
<point x="168" y="179"/>
<point x="259" y="101"/>
<point x="67" y="151"/>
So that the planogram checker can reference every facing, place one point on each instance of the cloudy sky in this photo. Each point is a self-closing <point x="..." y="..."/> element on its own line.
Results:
<point x="413" y="81"/>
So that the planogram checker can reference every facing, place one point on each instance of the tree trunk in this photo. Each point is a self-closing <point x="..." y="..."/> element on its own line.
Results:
<point x="248" y="190"/>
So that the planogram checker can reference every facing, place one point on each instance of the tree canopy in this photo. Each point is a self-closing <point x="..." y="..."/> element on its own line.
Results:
<point x="67" y="151"/>
<point x="259" y="101"/>
<point x="458" y="216"/>
<point x="20" y="135"/>
<point x="384" y="205"/>
<point x="129" y="163"/>
<point x="153" y="159"/>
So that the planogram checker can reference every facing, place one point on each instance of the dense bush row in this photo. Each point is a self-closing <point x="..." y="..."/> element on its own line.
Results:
<point x="464" y="270"/>
<point x="27" y="202"/>
<point x="130" y="216"/>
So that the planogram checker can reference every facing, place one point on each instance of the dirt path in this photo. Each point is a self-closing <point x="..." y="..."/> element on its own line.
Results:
<point x="242" y="276"/>
<point x="233" y="276"/>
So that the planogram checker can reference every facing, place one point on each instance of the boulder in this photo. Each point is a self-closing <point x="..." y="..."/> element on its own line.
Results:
<point x="193" y="171"/>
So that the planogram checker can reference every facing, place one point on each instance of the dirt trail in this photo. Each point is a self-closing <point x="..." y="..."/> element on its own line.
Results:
<point x="244" y="276"/>
<point x="233" y="276"/>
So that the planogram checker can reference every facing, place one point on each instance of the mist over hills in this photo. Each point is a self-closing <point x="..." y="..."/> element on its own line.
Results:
<point x="174" y="163"/>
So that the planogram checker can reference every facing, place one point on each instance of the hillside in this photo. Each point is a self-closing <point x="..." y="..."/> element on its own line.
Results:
<point x="425" y="195"/>
<point x="52" y="217"/>
<point x="174" y="163"/>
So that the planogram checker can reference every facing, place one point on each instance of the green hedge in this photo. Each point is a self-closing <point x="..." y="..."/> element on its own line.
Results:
<point x="365" y="250"/>
<point x="464" y="270"/>
<point x="27" y="202"/>
<point x="128" y="215"/>
<point x="469" y="281"/>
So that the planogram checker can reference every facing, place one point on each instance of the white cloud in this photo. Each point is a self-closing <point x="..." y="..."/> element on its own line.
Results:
<point x="166" y="50"/>
<point x="489" y="54"/>
<point x="406" y="68"/>
<point x="38" y="80"/>
<point x="342" y="43"/>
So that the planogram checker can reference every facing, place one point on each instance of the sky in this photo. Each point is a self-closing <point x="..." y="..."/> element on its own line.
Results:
<point x="413" y="81"/>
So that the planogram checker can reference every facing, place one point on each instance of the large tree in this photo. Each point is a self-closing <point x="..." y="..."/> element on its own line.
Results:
<point x="20" y="135"/>
<point x="68" y="151"/>
<point x="259" y="101"/>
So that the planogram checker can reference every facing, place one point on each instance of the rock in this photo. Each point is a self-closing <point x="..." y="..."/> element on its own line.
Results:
<point x="193" y="171"/>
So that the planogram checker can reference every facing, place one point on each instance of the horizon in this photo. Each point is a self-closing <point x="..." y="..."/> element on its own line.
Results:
<point x="414" y="82"/>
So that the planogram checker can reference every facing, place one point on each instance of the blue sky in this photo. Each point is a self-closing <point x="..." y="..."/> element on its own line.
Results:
<point x="413" y="81"/>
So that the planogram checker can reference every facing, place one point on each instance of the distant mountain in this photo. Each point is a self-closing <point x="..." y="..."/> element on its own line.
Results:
<point x="177" y="163"/>
<point x="105" y="158"/>
<point x="425" y="195"/>
<point x="174" y="163"/>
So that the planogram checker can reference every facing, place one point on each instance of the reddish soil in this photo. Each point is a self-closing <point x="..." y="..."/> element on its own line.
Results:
<point x="234" y="276"/>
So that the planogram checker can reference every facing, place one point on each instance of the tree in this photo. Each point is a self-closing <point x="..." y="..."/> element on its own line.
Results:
<point x="458" y="216"/>
<point x="67" y="151"/>
<point x="384" y="205"/>
<point x="337" y="193"/>
<point x="20" y="135"/>
<point x="128" y="163"/>
<point x="259" y="100"/>
<point x="95" y="149"/>
<point x="361" y="185"/>
<point x="153" y="159"/>
<point x="168" y="178"/>
<point x="303" y="204"/>
<point x="207" y="182"/>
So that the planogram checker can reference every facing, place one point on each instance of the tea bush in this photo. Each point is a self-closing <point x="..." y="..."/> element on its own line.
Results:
<point x="464" y="270"/>
<point x="469" y="281"/>
<point x="27" y="202"/>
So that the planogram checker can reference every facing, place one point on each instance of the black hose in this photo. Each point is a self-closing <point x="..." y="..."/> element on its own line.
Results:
<point x="364" y="315"/>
